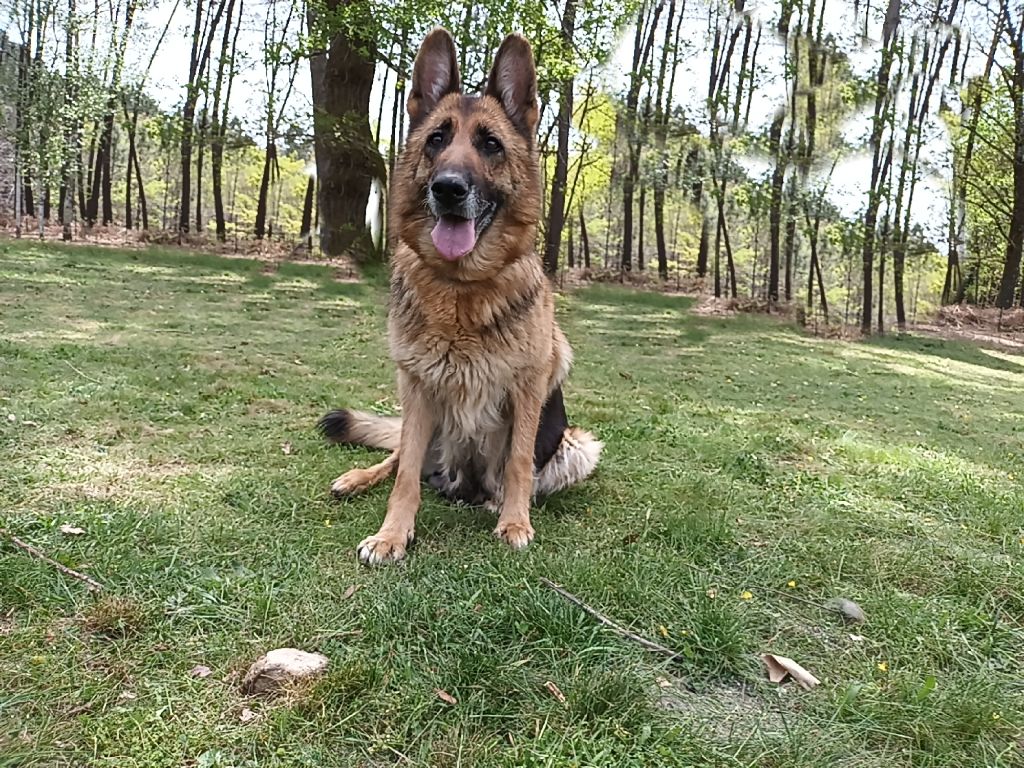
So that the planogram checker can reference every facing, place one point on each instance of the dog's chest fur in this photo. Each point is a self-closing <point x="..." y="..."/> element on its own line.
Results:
<point x="468" y="346"/>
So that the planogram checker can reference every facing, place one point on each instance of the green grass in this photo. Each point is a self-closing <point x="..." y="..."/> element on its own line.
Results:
<point x="152" y="393"/>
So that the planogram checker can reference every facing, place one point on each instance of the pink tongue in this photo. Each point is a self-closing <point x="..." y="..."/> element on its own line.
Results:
<point x="454" y="237"/>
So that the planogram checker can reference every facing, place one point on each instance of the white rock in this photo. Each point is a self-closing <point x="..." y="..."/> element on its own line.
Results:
<point x="281" y="666"/>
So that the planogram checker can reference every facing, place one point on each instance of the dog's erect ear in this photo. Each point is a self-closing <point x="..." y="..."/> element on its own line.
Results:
<point x="513" y="82"/>
<point x="434" y="75"/>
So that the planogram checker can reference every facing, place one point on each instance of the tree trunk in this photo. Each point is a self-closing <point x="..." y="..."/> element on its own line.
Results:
<point x="1015" y="240"/>
<point x="307" y="214"/>
<point x="791" y="243"/>
<point x="703" y="247"/>
<point x="346" y="160"/>
<point x="201" y="145"/>
<point x="775" y="208"/>
<point x="878" y="165"/>
<point x="202" y="41"/>
<point x="569" y="252"/>
<point x="556" y="209"/>
<point x="641" y="52"/>
<point x="225" y="64"/>
<point x="640" y="229"/>
<point x="269" y="161"/>
<point x="663" y="106"/>
<point x="585" y="239"/>
<point x="723" y="227"/>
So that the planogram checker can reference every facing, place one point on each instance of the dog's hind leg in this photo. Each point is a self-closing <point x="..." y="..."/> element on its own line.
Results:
<point x="358" y="480"/>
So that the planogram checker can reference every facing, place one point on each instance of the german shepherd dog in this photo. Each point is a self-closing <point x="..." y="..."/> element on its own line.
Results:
<point x="471" y="322"/>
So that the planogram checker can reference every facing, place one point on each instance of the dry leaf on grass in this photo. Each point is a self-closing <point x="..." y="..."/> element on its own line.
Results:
<point x="200" y="671"/>
<point x="555" y="691"/>
<point x="286" y="449"/>
<point x="246" y="715"/>
<point x="780" y="667"/>
<point x="351" y="591"/>
<point x="446" y="697"/>
<point x="71" y="530"/>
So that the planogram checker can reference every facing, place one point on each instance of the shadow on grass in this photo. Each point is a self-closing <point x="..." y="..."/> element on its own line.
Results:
<point x="961" y="352"/>
<point x="192" y="263"/>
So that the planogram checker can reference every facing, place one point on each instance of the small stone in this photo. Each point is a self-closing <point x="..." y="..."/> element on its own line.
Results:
<point x="279" y="667"/>
<point x="849" y="610"/>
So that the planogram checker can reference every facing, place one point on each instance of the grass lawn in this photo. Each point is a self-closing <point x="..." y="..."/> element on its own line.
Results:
<point x="164" y="403"/>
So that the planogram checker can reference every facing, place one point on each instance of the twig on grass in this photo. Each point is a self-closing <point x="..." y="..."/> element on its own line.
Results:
<point x="85" y="376"/>
<point x="618" y="629"/>
<point x="92" y="583"/>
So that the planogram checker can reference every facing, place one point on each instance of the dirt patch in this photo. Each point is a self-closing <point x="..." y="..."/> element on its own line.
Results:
<point x="726" y="710"/>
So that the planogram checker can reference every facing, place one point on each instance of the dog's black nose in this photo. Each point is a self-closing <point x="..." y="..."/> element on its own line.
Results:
<point x="450" y="188"/>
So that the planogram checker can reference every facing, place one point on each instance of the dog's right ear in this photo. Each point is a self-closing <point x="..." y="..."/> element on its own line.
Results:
<point x="434" y="75"/>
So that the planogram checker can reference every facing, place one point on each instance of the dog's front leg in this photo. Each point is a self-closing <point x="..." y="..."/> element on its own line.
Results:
<point x="514" y="520"/>
<point x="395" y="534"/>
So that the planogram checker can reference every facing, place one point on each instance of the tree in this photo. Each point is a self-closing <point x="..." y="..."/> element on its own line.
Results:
<point x="1013" y="34"/>
<point x="347" y="162"/>
<point x="881" y="156"/>
<point x="556" y="208"/>
<point x="204" y="28"/>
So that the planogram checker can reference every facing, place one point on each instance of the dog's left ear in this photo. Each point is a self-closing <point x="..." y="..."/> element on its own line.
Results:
<point x="513" y="82"/>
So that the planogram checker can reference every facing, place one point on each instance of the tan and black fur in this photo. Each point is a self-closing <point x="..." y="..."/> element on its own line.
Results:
<point x="480" y="358"/>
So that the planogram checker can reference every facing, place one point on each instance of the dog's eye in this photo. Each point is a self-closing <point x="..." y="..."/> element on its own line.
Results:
<point x="492" y="146"/>
<point x="436" y="139"/>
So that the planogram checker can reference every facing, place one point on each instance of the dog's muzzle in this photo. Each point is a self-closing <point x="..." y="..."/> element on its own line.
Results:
<point x="461" y="213"/>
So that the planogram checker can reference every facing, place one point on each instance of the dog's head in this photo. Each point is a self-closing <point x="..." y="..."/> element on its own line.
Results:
<point x="466" y="194"/>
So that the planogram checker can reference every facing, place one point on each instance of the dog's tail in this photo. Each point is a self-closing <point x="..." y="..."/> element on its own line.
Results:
<point x="573" y="461"/>
<point x="359" y="428"/>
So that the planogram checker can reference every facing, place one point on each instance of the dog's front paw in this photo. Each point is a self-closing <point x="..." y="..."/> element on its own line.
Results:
<point x="384" y="547"/>
<point x="352" y="482"/>
<point x="517" y="534"/>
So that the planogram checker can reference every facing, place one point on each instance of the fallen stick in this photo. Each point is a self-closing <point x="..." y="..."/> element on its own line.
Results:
<point x="618" y="629"/>
<point x="92" y="583"/>
<point x="85" y="376"/>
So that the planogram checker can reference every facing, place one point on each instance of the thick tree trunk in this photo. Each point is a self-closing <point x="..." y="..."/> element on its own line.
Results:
<point x="346" y="160"/>
<point x="704" y="245"/>
<point x="1015" y="240"/>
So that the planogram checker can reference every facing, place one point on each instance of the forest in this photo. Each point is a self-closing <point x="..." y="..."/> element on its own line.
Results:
<point x="855" y="162"/>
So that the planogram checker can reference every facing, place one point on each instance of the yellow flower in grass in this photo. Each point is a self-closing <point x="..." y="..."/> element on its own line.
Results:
<point x="746" y="594"/>
<point x="663" y="630"/>
<point x="883" y="666"/>
<point x="327" y="523"/>
<point x="791" y="583"/>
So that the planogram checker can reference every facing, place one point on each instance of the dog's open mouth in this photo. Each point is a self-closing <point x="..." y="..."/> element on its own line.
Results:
<point x="455" y="236"/>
